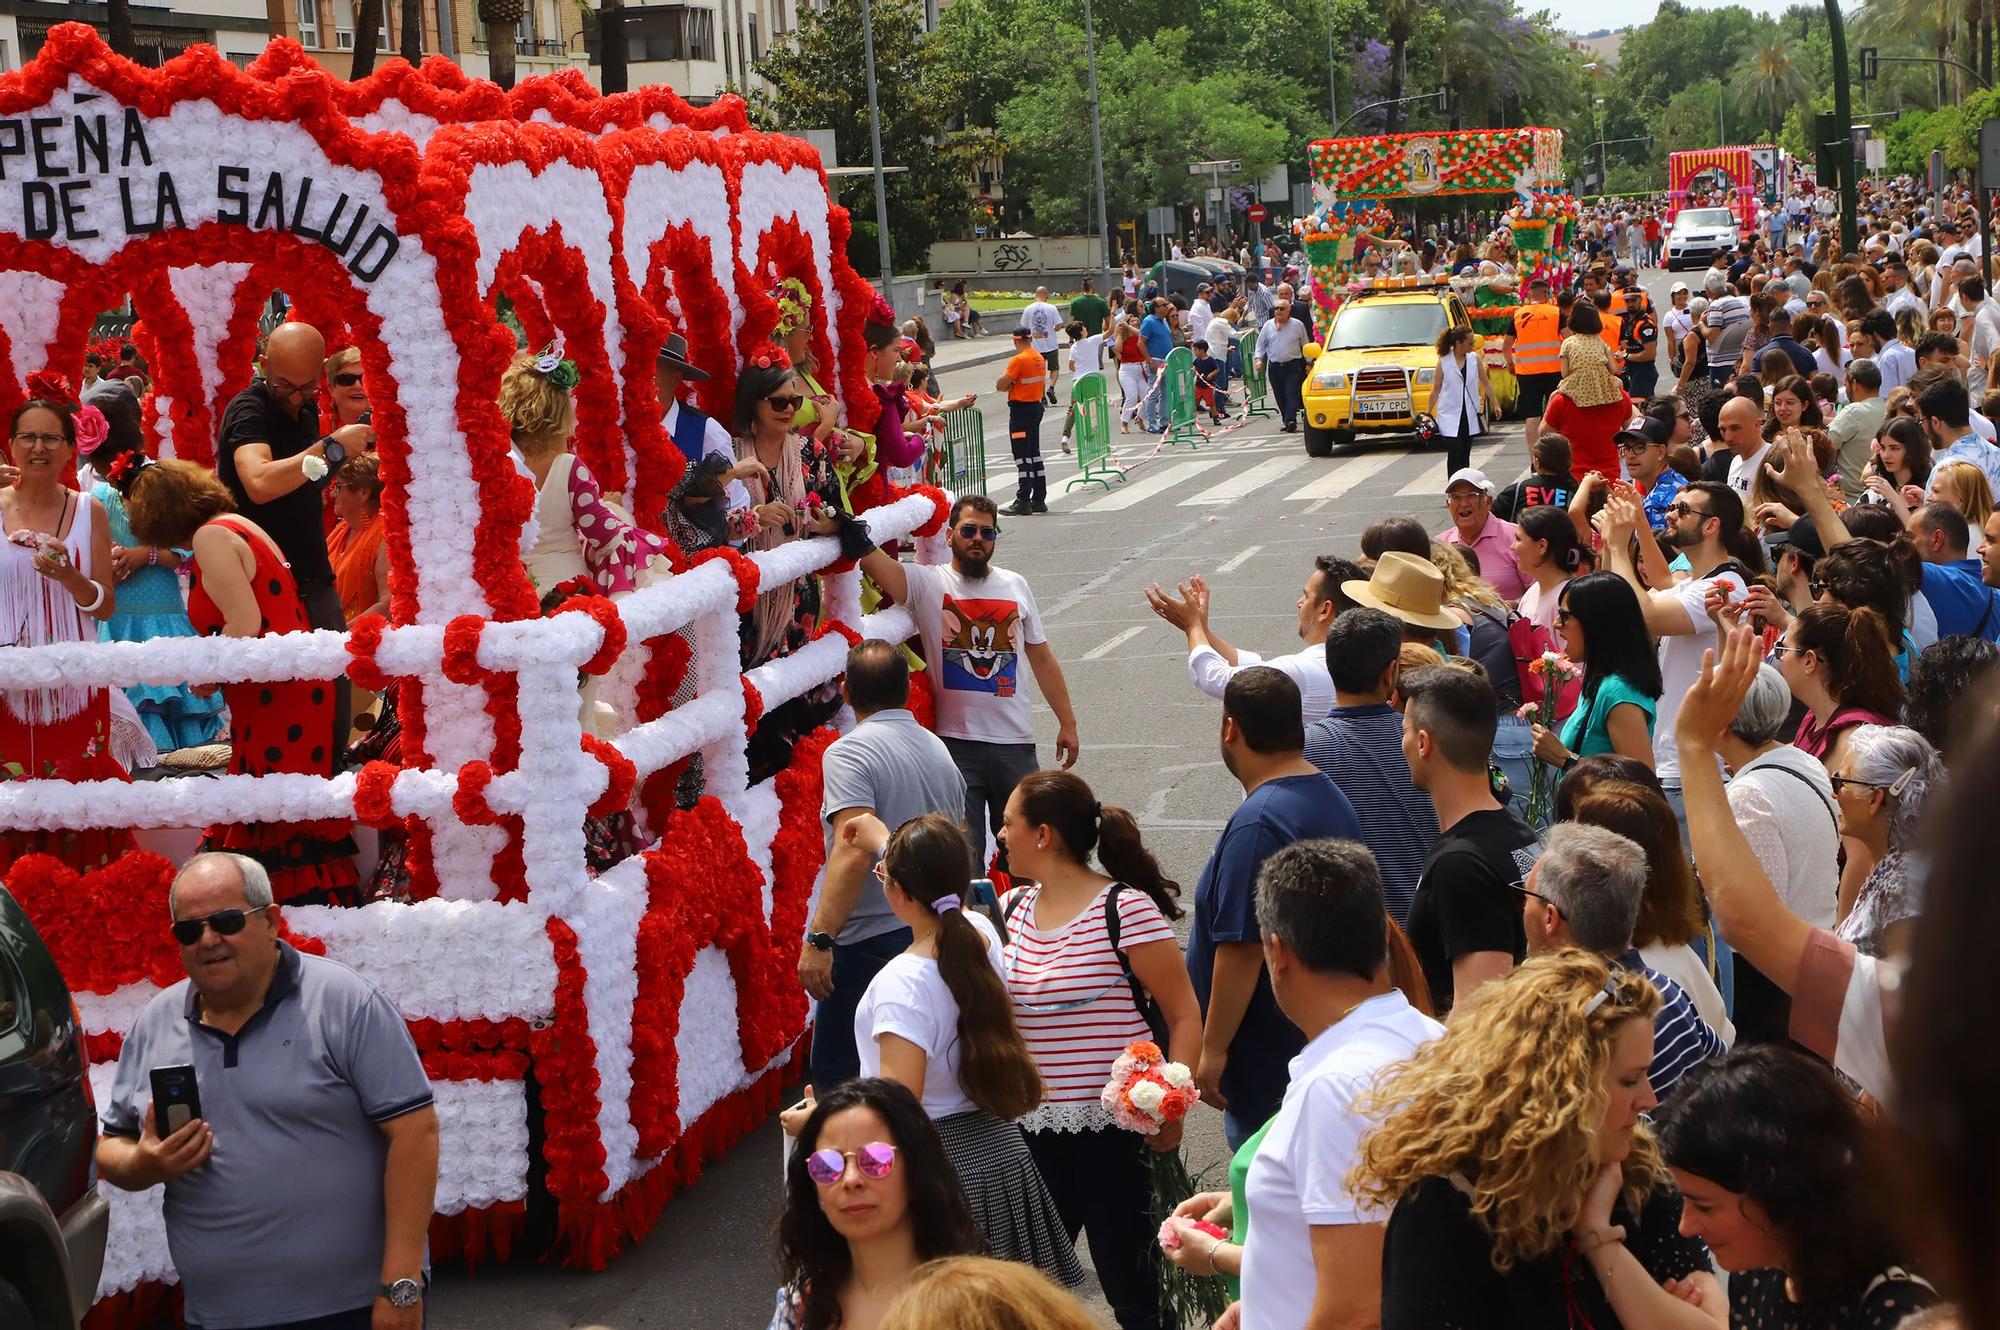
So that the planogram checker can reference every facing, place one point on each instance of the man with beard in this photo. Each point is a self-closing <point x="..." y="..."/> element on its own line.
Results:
<point x="976" y="622"/>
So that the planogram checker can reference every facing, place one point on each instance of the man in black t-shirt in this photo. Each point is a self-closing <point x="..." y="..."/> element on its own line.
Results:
<point x="1465" y="923"/>
<point x="269" y="431"/>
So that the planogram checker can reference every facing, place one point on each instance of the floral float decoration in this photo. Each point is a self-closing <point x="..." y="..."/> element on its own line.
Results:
<point x="1539" y="225"/>
<point x="1336" y="234"/>
<point x="393" y="213"/>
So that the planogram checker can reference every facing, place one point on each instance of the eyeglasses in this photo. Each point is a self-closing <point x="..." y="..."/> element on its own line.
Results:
<point x="1844" y="782"/>
<point x="346" y="380"/>
<point x="1523" y="889"/>
<point x="785" y="404"/>
<point x="40" y="440"/>
<point x="1679" y="509"/>
<point x="1564" y="616"/>
<point x="973" y="531"/>
<point x="875" y="1160"/>
<point x="226" y="923"/>
<point x="1781" y="648"/>
<point x="286" y="388"/>
<point x="1635" y="446"/>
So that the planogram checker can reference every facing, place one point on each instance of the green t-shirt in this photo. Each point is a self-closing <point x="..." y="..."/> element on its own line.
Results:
<point x="1239" y="1206"/>
<point x="1584" y="732"/>
<point x="1091" y="312"/>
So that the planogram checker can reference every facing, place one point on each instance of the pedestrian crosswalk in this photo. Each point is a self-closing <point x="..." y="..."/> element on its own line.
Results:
<point x="1431" y="482"/>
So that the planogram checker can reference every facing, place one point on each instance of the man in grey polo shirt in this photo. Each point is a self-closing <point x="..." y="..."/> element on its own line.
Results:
<point x="304" y="1190"/>
<point x="894" y="768"/>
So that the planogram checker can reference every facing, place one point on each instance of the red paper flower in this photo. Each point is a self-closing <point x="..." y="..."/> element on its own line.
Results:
<point x="469" y="800"/>
<point x="606" y="613"/>
<point x="364" y="639"/>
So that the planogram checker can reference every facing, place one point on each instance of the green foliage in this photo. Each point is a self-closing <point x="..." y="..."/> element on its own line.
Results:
<point x="1912" y="136"/>
<point x="818" y="79"/>
<point x="1769" y="80"/>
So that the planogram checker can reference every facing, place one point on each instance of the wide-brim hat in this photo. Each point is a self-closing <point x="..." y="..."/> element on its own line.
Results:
<point x="1407" y="587"/>
<point x="674" y="356"/>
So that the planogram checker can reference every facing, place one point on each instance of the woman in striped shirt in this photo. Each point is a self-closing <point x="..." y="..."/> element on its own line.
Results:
<point x="1092" y="965"/>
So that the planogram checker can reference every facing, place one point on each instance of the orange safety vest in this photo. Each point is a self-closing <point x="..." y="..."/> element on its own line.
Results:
<point x="1612" y="334"/>
<point x="1537" y="340"/>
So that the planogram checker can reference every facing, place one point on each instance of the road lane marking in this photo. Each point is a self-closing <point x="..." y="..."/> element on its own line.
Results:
<point x="1104" y="649"/>
<point x="1125" y="496"/>
<point x="1246" y="482"/>
<point x="1239" y="560"/>
<point x="1345" y="475"/>
<point x="1432" y="481"/>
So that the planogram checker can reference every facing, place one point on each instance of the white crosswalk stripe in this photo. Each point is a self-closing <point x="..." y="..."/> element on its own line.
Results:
<point x="1431" y="482"/>
<point x="1147" y="484"/>
<point x="1346" y="474"/>
<point x="1247" y="481"/>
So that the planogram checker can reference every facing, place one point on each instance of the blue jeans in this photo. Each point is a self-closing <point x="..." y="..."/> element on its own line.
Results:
<point x="1514" y="754"/>
<point x="1156" y="402"/>
<point x="855" y="964"/>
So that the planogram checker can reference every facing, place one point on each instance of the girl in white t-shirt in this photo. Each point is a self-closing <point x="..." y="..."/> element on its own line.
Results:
<point x="938" y="1020"/>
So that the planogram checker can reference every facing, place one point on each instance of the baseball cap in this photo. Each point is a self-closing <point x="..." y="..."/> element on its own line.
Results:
<point x="1470" y="475"/>
<point x="1649" y="430"/>
<point x="1801" y="535"/>
<point x="1677" y="288"/>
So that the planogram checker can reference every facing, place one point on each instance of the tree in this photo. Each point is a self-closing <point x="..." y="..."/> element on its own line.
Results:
<point x="367" y="23"/>
<point x="1689" y="120"/>
<point x="501" y="18"/>
<point x="413" y="31"/>
<point x="817" y="77"/>
<point x="118" y="18"/>
<point x="1768" y="81"/>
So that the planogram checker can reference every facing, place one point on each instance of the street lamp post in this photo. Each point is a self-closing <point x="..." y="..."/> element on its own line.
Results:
<point x="1097" y="150"/>
<point x="1398" y="101"/>
<point x="875" y="146"/>
<point x="1332" y="103"/>
<point x="1843" y="114"/>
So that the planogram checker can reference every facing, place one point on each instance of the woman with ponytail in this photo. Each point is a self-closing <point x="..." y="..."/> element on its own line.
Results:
<point x="938" y="1020"/>
<point x="1839" y="662"/>
<point x="1092" y="964"/>
<point x="1548" y="552"/>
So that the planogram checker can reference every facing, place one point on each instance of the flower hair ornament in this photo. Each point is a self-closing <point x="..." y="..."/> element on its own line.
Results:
<point x="794" y="306"/>
<point x="47" y="386"/>
<point x="92" y="429"/>
<point x="560" y="371"/>
<point x="125" y="468"/>
<point x="775" y="358"/>
<point x="881" y="313"/>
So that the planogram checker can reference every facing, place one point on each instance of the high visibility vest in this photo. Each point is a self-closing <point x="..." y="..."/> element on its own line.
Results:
<point x="1537" y="341"/>
<point x="1612" y="335"/>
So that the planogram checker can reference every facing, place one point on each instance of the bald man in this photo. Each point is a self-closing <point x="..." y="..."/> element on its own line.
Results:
<point x="1742" y="434"/>
<point x="269" y="431"/>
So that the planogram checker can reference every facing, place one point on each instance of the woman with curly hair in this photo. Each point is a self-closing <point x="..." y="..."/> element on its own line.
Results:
<point x="870" y="1195"/>
<point x="1527" y="1190"/>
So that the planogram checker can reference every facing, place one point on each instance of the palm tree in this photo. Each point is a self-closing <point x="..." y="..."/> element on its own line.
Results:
<point x="1770" y="81"/>
<point x="1896" y="25"/>
<point x="119" y="20"/>
<point x="501" y="18"/>
<point x="367" y="22"/>
<point x="413" y="31"/>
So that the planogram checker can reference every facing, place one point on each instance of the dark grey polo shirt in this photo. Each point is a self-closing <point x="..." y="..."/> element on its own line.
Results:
<point x="284" y="1220"/>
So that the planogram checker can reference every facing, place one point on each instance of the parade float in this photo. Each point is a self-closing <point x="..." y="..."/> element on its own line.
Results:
<point x="1736" y="178"/>
<point x="1539" y="226"/>
<point x="624" y="1027"/>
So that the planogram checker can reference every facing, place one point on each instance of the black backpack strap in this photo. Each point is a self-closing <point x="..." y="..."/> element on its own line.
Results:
<point x="1156" y="1021"/>
<point x="1806" y="781"/>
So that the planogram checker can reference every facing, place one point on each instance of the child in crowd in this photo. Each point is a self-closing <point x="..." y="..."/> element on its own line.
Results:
<point x="1209" y="380"/>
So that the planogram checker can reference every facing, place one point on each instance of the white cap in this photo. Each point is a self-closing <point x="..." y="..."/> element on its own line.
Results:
<point x="1473" y="476"/>
<point x="1677" y="288"/>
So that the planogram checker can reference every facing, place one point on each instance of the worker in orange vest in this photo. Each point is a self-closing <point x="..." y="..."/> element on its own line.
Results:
<point x="1533" y="349"/>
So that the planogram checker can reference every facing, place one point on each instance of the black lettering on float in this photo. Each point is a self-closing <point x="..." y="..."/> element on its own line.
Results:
<point x="134" y="226"/>
<point x="169" y="202"/>
<point x="342" y="244"/>
<point x="299" y="227"/>
<point x="42" y="129"/>
<point x="75" y="209"/>
<point x="273" y="202"/>
<point x="93" y="139"/>
<point x="13" y="143"/>
<point x="232" y="200"/>
<point x="38" y="209"/>
<point x="135" y="137"/>
<point x="390" y="244"/>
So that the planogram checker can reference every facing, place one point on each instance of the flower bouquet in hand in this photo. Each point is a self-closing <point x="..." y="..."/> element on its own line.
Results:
<point x="1151" y="1096"/>
<point x="1554" y="670"/>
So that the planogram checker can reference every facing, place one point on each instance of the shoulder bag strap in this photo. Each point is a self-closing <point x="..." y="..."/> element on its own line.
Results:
<point x="1806" y="781"/>
<point x="1156" y="1021"/>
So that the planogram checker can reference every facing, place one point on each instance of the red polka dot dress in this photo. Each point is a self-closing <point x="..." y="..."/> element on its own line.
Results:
<point x="280" y="727"/>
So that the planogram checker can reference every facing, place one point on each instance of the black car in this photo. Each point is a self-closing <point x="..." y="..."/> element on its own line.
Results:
<point x="52" y="1220"/>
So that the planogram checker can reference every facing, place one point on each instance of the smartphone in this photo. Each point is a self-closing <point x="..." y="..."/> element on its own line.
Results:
<point x="176" y="1101"/>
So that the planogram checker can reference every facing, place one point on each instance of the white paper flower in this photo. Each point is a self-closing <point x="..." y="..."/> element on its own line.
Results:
<point x="1176" y="1074"/>
<point x="314" y="466"/>
<point x="1147" y="1096"/>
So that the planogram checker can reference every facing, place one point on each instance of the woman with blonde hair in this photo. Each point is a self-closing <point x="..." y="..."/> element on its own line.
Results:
<point x="980" y="1293"/>
<point x="1516" y="1156"/>
<point x="1966" y="488"/>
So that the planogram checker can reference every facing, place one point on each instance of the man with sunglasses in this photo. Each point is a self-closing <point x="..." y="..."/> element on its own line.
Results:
<point x="1643" y="449"/>
<point x="275" y="461"/>
<point x="303" y="1191"/>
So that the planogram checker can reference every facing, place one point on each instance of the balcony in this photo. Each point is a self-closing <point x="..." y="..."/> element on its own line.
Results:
<point x="534" y="48"/>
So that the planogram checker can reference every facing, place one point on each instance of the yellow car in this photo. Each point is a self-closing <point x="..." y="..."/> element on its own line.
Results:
<point x="1373" y="373"/>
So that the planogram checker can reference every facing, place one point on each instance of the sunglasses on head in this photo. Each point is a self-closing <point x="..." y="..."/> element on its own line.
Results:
<point x="226" y="923"/>
<point x="786" y="402"/>
<point x="347" y="380"/>
<point x="974" y="531"/>
<point x="829" y="1166"/>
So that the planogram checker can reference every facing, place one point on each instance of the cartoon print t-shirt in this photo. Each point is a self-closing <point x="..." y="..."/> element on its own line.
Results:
<point x="976" y="632"/>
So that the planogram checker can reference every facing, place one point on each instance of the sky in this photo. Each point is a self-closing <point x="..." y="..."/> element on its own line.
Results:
<point x="1591" y="15"/>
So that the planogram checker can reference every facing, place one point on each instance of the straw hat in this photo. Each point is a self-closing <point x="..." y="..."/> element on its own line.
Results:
<point x="1590" y="381"/>
<point x="1410" y="588"/>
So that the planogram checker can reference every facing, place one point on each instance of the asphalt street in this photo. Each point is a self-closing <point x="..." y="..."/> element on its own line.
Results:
<point x="1249" y="511"/>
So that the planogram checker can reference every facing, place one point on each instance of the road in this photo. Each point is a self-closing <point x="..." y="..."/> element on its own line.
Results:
<point x="1249" y="511"/>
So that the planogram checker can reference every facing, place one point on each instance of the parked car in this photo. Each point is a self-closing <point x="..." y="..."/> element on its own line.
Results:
<point x="52" y="1219"/>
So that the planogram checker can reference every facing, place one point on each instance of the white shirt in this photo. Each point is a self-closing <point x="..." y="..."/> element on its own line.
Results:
<point x="1680" y="662"/>
<point x="1199" y="313"/>
<point x="1897" y="363"/>
<point x="1306" y="668"/>
<point x="1743" y="471"/>
<point x="1681" y="965"/>
<point x="1086" y="356"/>
<point x="1985" y="340"/>
<point x="1219" y="335"/>
<point x="715" y="442"/>
<point x="1784" y="803"/>
<point x="978" y="632"/>
<point x="1279" y="343"/>
<point x="1898" y="301"/>
<point x="1043" y="320"/>
<point x="909" y="997"/>
<point x="1298" y="1179"/>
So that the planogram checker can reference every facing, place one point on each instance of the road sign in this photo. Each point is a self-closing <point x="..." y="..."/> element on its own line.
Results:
<point x="1277" y="186"/>
<point x="1214" y="168"/>
<point x="1159" y="221"/>
<point x="1870" y="69"/>
<point x="1215" y="193"/>
<point x="1256" y="212"/>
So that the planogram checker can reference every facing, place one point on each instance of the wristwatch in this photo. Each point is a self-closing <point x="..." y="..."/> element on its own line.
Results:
<point x="820" y="941"/>
<point x="402" y="1293"/>
<point x="336" y="451"/>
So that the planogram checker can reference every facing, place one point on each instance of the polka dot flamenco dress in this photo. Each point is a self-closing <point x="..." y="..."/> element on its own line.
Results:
<point x="280" y="727"/>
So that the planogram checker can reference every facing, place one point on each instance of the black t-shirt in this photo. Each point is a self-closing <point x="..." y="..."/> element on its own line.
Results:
<point x="1716" y="465"/>
<point x="295" y="521"/>
<point x="1463" y="902"/>
<point x="1757" y="1300"/>
<point x="1536" y="491"/>
<point x="1437" y="1267"/>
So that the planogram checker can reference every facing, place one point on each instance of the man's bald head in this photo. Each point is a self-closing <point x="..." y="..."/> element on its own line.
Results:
<point x="1741" y="424"/>
<point x="1041" y="293"/>
<point x="294" y="358"/>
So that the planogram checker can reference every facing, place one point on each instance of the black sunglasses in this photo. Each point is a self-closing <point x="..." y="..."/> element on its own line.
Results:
<point x="786" y="403"/>
<point x="346" y="380"/>
<point x="969" y="531"/>
<point x="226" y="923"/>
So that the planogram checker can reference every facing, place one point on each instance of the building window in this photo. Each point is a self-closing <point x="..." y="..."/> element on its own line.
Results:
<point x="309" y="23"/>
<point x="447" y="38"/>
<point x="660" y="33"/>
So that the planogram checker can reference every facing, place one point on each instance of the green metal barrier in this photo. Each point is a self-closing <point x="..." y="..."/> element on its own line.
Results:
<point x="1256" y="386"/>
<point x="1181" y="404"/>
<point x="1090" y="398"/>
<point x="962" y="467"/>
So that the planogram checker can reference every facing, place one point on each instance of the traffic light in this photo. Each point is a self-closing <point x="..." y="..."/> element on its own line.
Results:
<point x="1830" y="140"/>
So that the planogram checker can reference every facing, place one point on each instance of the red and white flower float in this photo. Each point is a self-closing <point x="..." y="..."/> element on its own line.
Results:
<point x="391" y="213"/>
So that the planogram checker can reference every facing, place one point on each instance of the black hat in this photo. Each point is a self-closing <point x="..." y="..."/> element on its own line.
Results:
<point x="1801" y="535"/>
<point x="674" y="356"/>
<point x="1649" y="430"/>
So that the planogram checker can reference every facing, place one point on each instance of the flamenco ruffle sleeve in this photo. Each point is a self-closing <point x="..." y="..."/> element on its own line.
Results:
<point x="615" y="550"/>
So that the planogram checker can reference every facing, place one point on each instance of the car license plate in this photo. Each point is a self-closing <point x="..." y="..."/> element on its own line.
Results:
<point x="1383" y="406"/>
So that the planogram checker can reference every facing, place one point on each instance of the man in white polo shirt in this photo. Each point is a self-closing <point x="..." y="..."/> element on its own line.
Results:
<point x="1314" y="1255"/>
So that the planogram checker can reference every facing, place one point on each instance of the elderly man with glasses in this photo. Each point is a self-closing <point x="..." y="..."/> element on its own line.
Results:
<point x="301" y="1174"/>
<point x="275" y="461"/>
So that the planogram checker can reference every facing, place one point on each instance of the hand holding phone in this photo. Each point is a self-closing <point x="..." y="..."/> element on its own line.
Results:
<point x="176" y="1098"/>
